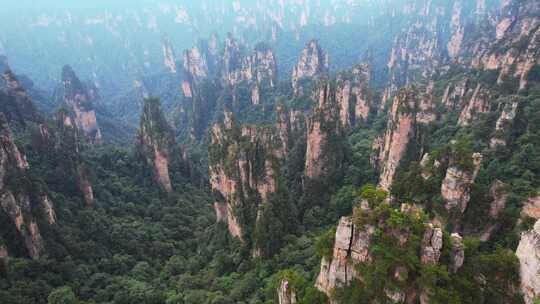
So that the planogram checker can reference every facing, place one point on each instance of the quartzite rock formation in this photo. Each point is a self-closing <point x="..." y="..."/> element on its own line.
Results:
<point x="528" y="253"/>
<point x="156" y="142"/>
<point x="75" y="95"/>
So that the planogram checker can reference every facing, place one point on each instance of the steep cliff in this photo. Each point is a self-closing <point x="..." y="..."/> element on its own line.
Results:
<point x="313" y="62"/>
<point x="528" y="253"/>
<point x="75" y="96"/>
<point x="286" y="294"/>
<point x="369" y="239"/>
<point x="16" y="103"/>
<point x="324" y="153"/>
<point x="156" y="142"/>
<point x="244" y="170"/>
<point x="21" y="199"/>
<point x="401" y="130"/>
<point x="68" y="145"/>
<point x="353" y="95"/>
<point x="169" y="57"/>
<point x="455" y="188"/>
<point x="514" y="53"/>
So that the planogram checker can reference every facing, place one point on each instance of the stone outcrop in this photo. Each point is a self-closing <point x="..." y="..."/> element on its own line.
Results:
<point x="352" y="95"/>
<point x="455" y="188"/>
<point x="479" y="103"/>
<point x="515" y="49"/>
<point x="508" y="113"/>
<point x="259" y="68"/>
<point x="156" y="142"/>
<point x="74" y="94"/>
<point x="244" y="166"/>
<point x="313" y="62"/>
<point x="324" y="135"/>
<point x="68" y="145"/>
<point x="531" y="207"/>
<point x="286" y="294"/>
<point x="400" y="131"/>
<point x="454" y="94"/>
<point x="21" y="203"/>
<point x="528" y="253"/>
<point x="499" y="194"/>
<point x="457" y="256"/>
<point x="351" y="246"/>
<point x="432" y="243"/>
<point x="169" y="57"/>
<point x="16" y="103"/>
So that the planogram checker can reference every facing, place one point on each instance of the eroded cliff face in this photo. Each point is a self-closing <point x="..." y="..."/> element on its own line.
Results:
<point x="68" y="145"/>
<point x="286" y="294"/>
<point x="504" y="122"/>
<point x="324" y="151"/>
<point x="351" y="247"/>
<point x="353" y="96"/>
<point x="169" y="57"/>
<point x="16" y="103"/>
<point x="479" y="103"/>
<point x="21" y="203"/>
<point x="409" y="109"/>
<point x="244" y="166"/>
<point x="156" y="143"/>
<point x="354" y="243"/>
<point x="75" y="95"/>
<point x="455" y="188"/>
<point x="515" y="51"/>
<point x="313" y="62"/>
<point x="528" y="253"/>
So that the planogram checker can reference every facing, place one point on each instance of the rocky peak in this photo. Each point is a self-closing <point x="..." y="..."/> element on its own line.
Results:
<point x="357" y="237"/>
<point x="195" y="63"/>
<point x="257" y="69"/>
<point x="15" y="102"/>
<point x="456" y="185"/>
<point x="351" y="247"/>
<point x="401" y="128"/>
<point x="324" y="147"/>
<point x="286" y="294"/>
<point x="508" y="113"/>
<point x="169" y="56"/>
<point x="244" y="167"/>
<point x="20" y="203"/>
<point x="156" y="142"/>
<point x="479" y="103"/>
<point x="69" y="146"/>
<point x="75" y="95"/>
<point x="352" y="95"/>
<point x="528" y="253"/>
<point x="313" y="62"/>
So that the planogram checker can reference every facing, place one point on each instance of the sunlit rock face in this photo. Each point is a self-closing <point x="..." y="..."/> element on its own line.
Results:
<point x="313" y="62"/>
<point x="528" y="253"/>
<point x="20" y="204"/>
<point x="74" y="94"/>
